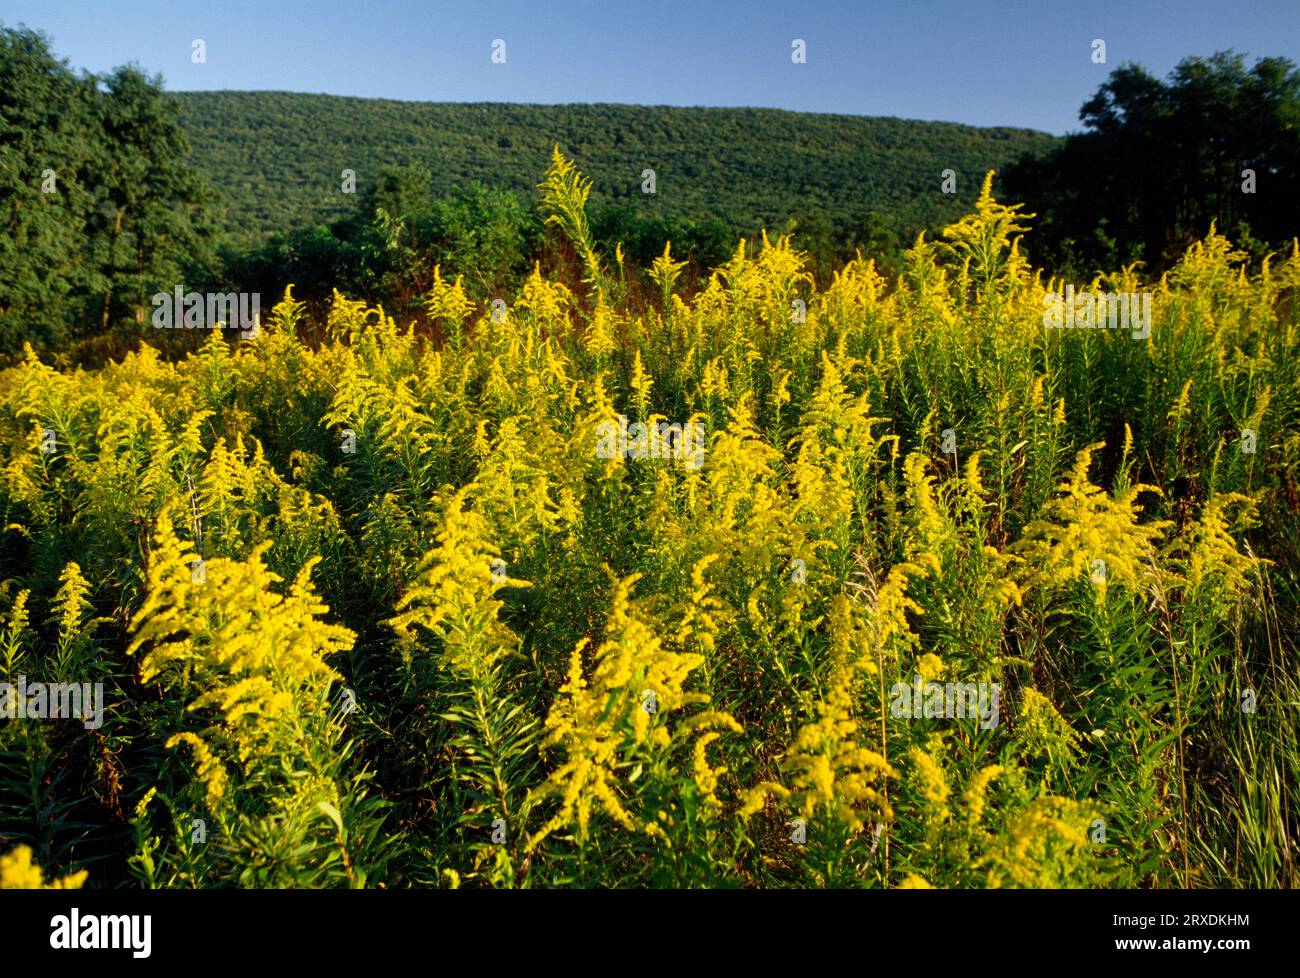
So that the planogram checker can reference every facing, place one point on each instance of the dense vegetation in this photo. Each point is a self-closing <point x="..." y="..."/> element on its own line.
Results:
<point x="1157" y="161"/>
<point x="277" y="158"/>
<point x="98" y="205"/>
<point x="112" y="190"/>
<point x="378" y="610"/>
<point x="452" y="185"/>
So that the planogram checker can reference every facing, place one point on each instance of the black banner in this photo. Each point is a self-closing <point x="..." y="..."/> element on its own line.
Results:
<point x="138" y="928"/>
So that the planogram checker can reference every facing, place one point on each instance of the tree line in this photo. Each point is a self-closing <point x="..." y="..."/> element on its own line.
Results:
<point x="1158" y="160"/>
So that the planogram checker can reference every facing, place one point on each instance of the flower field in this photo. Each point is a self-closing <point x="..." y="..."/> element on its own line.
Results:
<point x="941" y="596"/>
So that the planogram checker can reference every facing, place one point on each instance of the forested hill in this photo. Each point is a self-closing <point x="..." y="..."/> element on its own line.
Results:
<point x="276" y="158"/>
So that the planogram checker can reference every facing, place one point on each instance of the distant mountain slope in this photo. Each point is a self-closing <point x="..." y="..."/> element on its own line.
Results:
<point x="277" y="157"/>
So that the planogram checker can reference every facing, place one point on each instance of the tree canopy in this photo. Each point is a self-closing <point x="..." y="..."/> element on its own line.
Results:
<point x="1158" y="160"/>
<point x="99" y="205"/>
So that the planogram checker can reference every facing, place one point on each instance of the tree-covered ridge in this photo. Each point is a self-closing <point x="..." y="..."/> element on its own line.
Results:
<point x="277" y="157"/>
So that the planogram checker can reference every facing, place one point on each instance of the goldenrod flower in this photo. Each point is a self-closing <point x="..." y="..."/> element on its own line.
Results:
<point x="1084" y="531"/>
<point x="914" y="882"/>
<point x="19" y="872"/>
<point x="635" y="684"/>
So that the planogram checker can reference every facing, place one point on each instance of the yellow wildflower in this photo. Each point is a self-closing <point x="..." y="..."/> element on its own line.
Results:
<point x="19" y="872"/>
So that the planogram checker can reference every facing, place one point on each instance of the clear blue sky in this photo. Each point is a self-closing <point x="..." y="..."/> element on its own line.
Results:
<point x="1016" y="62"/>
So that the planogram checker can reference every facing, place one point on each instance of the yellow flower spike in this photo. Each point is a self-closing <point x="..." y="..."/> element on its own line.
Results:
<point x="258" y="654"/>
<point x="664" y="272"/>
<point x="211" y="771"/>
<point x="635" y="684"/>
<point x="934" y="786"/>
<point x="455" y="584"/>
<point x="1086" y="531"/>
<point x="1207" y="553"/>
<point x="976" y="789"/>
<point x="447" y="301"/>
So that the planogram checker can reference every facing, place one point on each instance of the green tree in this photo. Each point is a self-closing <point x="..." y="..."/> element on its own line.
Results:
<point x="46" y="148"/>
<point x="486" y="234"/>
<point x="98" y="203"/>
<point x="1159" y="160"/>
<point x="146" y="231"/>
